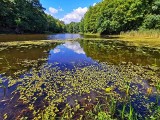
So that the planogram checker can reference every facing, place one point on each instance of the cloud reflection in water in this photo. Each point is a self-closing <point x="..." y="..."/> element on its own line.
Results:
<point x="75" y="46"/>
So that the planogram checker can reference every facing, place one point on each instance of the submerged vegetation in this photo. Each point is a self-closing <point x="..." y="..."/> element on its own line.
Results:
<point x="97" y="92"/>
<point x="114" y="87"/>
<point x="117" y="51"/>
<point x="132" y="38"/>
<point x="21" y="56"/>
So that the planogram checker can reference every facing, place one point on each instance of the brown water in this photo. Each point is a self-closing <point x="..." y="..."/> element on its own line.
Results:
<point x="26" y="37"/>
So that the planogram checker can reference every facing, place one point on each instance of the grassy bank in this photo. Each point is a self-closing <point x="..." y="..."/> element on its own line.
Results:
<point x="147" y="34"/>
<point x="91" y="34"/>
<point x="149" y="38"/>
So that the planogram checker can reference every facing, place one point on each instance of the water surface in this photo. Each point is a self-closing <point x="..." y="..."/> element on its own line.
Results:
<point x="68" y="55"/>
<point x="25" y="37"/>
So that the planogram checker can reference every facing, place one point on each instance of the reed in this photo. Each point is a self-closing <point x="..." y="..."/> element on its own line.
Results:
<point x="142" y="33"/>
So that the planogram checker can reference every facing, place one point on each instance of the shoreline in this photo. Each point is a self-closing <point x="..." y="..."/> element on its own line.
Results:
<point x="135" y="39"/>
<point x="152" y="43"/>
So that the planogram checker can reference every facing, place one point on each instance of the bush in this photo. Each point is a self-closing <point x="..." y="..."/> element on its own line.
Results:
<point x="152" y="22"/>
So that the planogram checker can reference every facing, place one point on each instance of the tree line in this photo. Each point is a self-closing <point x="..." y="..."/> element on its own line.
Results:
<point x="27" y="16"/>
<point x="114" y="16"/>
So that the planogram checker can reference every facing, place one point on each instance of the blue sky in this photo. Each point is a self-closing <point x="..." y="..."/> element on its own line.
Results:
<point x="67" y="10"/>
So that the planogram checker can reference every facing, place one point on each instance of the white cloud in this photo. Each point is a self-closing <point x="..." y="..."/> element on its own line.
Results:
<point x="94" y="4"/>
<point x="52" y="10"/>
<point x="75" y="16"/>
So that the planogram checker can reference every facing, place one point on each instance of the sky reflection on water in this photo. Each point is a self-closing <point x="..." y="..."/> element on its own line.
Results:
<point x="69" y="53"/>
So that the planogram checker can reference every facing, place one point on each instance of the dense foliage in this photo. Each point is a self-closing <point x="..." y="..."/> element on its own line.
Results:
<point x="106" y="17"/>
<point x="114" y="16"/>
<point x="73" y="27"/>
<point x="26" y="16"/>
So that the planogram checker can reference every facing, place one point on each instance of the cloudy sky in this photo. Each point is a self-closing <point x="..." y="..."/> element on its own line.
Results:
<point x="67" y="10"/>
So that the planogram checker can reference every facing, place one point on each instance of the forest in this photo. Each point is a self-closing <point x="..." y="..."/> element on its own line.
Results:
<point x="27" y="16"/>
<point x="106" y="17"/>
<point x="115" y="16"/>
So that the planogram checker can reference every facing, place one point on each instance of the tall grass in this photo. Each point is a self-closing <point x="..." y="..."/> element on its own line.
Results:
<point x="152" y="33"/>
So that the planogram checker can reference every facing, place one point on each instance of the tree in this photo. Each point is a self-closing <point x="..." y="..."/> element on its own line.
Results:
<point x="27" y="16"/>
<point x="114" y="16"/>
<point x="152" y="19"/>
<point x="73" y="27"/>
<point x="6" y="15"/>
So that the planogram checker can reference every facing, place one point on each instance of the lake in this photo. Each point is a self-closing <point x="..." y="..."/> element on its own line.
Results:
<point x="36" y="77"/>
<point x="7" y="38"/>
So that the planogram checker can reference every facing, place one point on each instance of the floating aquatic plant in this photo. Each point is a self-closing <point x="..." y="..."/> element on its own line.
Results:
<point x="74" y="93"/>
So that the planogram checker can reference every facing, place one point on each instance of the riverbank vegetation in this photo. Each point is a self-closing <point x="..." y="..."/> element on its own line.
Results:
<point x="142" y="33"/>
<point x="150" y="38"/>
<point x="27" y="16"/>
<point x="114" y="16"/>
<point x="106" y="17"/>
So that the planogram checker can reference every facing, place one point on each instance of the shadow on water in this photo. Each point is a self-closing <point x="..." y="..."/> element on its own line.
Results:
<point x="26" y="37"/>
<point x="117" y="52"/>
<point x="8" y="38"/>
<point x="21" y="57"/>
<point x="100" y="36"/>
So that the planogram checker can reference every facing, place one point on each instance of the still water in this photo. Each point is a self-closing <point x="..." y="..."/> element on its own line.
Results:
<point x="7" y="38"/>
<point x="78" y="52"/>
<point x="68" y="55"/>
<point x="111" y="51"/>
